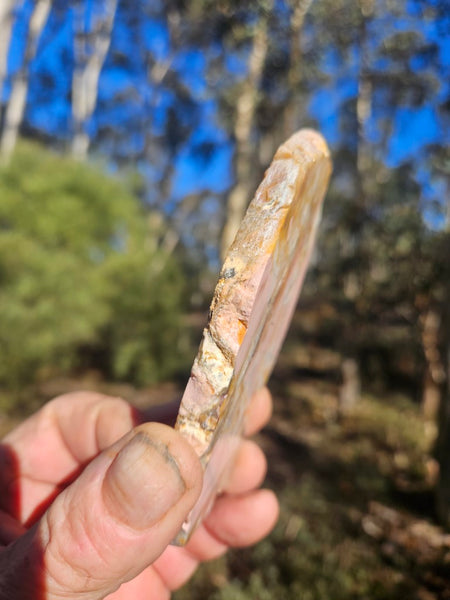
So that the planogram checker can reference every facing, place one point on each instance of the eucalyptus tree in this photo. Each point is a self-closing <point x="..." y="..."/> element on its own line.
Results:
<point x="6" y="25"/>
<point x="92" y="38"/>
<point x="15" y="107"/>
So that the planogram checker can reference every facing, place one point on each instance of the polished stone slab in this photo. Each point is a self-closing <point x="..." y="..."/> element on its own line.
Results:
<point x="252" y="306"/>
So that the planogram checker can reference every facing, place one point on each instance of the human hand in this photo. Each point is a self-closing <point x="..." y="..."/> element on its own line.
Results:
<point x="88" y="507"/>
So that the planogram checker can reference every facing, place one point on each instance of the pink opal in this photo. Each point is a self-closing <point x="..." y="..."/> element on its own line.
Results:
<point x="252" y="307"/>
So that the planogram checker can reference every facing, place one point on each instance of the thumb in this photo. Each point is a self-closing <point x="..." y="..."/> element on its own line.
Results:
<point x="110" y="524"/>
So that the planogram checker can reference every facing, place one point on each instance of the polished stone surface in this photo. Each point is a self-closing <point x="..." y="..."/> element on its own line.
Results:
<point x="252" y="307"/>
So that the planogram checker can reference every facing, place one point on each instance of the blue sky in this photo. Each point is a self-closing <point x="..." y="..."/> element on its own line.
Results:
<point x="126" y="98"/>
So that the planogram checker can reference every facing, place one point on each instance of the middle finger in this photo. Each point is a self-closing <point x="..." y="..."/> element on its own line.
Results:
<point x="249" y="469"/>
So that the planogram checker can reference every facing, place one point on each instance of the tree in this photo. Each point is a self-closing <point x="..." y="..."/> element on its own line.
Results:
<point x="91" y="42"/>
<point x="246" y="106"/>
<point x="443" y="440"/>
<point x="6" y="25"/>
<point x="176" y="98"/>
<point x="15" y="108"/>
<point x="80" y="270"/>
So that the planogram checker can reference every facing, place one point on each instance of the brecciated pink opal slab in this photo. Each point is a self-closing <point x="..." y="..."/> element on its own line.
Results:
<point x="252" y="307"/>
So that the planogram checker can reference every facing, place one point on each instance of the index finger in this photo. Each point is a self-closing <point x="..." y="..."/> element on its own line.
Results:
<point x="46" y="451"/>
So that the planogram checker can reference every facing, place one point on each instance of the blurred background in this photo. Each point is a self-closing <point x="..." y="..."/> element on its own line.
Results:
<point x="132" y="136"/>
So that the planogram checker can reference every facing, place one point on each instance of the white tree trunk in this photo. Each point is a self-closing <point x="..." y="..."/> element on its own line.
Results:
<point x="6" y="24"/>
<point x="87" y="73"/>
<point x="17" y="101"/>
<point x="245" y="113"/>
<point x="295" y="110"/>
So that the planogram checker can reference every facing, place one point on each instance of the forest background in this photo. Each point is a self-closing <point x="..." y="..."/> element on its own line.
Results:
<point x="132" y="136"/>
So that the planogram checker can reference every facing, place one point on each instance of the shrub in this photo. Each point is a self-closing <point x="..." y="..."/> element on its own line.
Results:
<point x="80" y="268"/>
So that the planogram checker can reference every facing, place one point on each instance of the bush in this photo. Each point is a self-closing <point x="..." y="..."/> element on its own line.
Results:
<point x="80" y="269"/>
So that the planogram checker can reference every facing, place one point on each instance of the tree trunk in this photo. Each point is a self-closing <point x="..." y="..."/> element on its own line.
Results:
<point x="6" y="25"/>
<point x="295" y="110"/>
<point x="294" y="113"/>
<point x="364" y="105"/>
<point x="246" y="106"/>
<point x="352" y="243"/>
<point x="443" y="441"/>
<point x="16" y="105"/>
<point x="350" y="391"/>
<point x="442" y="451"/>
<point x="434" y="376"/>
<point x="87" y="72"/>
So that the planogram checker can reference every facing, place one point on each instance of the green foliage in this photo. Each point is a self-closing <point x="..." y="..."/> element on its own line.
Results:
<point x="80" y="269"/>
<point x="145" y="335"/>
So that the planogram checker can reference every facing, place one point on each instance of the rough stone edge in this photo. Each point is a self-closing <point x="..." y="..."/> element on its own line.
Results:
<point x="236" y="289"/>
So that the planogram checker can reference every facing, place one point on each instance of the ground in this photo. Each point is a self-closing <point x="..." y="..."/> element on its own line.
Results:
<point x="356" y="492"/>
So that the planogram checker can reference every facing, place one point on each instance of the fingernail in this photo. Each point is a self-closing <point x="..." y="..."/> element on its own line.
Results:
<point x="143" y="482"/>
